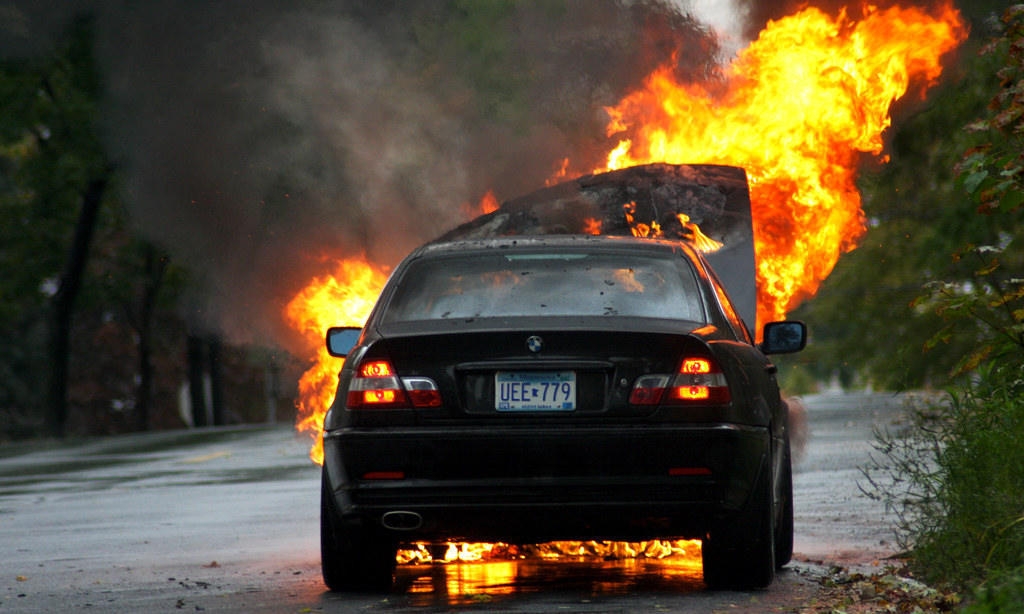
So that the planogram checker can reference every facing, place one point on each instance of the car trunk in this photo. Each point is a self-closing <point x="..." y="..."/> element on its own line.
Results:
<point x="577" y="374"/>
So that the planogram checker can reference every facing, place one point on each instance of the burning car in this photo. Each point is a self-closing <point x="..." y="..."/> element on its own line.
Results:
<point x="557" y="385"/>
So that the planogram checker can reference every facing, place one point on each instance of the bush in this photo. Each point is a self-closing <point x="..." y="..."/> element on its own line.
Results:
<point x="955" y="479"/>
<point x="955" y="476"/>
<point x="1002" y="594"/>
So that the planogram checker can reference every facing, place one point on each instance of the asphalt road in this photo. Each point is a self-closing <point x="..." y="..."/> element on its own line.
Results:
<point x="226" y="520"/>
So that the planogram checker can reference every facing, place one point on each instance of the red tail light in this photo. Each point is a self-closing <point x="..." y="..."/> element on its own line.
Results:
<point x="699" y="381"/>
<point x="423" y="391"/>
<point x="376" y="368"/>
<point x="376" y="385"/>
<point x="648" y="389"/>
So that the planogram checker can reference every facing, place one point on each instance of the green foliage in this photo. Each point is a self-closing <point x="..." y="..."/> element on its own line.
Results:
<point x="988" y="310"/>
<point x="1002" y="594"/>
<point x="991" y="305"/>
<point x="49" y="152"/>
<point x="795" y="379"/>
<point x="956" y="478"/>
<point x="994" y="171"/>
<point x="126" y="328"/>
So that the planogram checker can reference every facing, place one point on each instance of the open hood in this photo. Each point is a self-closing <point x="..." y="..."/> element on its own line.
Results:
<point x="691" y="202"/>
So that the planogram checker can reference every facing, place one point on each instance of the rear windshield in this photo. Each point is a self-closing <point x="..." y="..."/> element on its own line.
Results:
<point x="547" y="284"/>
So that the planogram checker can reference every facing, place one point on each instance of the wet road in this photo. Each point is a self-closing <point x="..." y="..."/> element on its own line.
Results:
<point x="226" y="520"/>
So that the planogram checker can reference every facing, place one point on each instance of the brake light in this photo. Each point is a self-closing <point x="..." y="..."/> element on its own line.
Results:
<point x="380" y="397"/>
<point x="699" y="380"/>
<point x="376" y="368"/>
<point x="695" y="365"/>
<point x="376" y="385"/>
<point x="692" y="393"/>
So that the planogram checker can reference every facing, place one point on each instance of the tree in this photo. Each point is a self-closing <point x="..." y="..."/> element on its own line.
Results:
<point x="956" y="475"/>
<point x="80" y="292"/>
<point x="62" y="173"/>
<point x="991" y="302"/>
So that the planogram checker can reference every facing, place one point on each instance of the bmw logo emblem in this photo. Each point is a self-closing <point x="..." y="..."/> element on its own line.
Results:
<point x="535" y="344"/>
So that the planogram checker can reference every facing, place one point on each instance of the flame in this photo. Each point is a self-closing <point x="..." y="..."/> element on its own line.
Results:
<point x="796" y="109"/>
<point x="687" y="229"/>
<point x="489" y="203"/>
<point x="472" y="552"/>
<point x="700" y="240"/>
<point x="559" y="175"/>
<point x="342" y="298"/>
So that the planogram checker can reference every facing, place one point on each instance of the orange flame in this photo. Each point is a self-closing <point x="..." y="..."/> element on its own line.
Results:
<point x="797" y="108"/>
<point x="688" y="229"/>
<point x="561" y="174"/>
<point x="489" y="203"/>
<point x="591" y="226"/>
<point x="342" y="298"/>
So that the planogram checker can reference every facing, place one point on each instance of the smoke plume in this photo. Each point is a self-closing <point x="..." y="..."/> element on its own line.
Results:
<point x="258" y="140"/>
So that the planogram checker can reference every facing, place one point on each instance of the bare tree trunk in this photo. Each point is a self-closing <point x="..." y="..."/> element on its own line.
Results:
<point x="155" y="265"/>
<point x="63" y="304"/>
<point x="196" y="380"/>
<point x="216" y="380"/>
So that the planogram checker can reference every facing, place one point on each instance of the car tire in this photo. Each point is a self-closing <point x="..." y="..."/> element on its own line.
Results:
<point x="353" y="558"/>
<point x="784" y="526"/>
<point x="741" y="554"/>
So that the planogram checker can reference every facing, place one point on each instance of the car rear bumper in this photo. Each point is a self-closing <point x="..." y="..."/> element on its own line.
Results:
<point x="539" y="484"/>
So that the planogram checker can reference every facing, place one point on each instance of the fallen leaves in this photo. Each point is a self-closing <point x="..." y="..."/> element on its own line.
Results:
<point x="846" y="592"/>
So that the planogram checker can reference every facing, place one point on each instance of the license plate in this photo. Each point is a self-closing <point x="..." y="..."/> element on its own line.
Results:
<point x="535" y="391"/>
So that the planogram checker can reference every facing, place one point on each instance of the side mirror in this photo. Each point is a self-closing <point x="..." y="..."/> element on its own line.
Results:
<point x="341" y="340"/>
<point x="784" y="337"/>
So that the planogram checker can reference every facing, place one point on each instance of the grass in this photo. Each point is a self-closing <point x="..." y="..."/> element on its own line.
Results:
<point x="955" y="477"/>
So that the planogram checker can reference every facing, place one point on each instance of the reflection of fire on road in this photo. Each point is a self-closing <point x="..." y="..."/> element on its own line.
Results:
<point x="796" y="109"/>
<point x="565" y="550"/>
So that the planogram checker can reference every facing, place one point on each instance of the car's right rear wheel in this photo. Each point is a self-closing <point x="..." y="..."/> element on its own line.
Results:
<point x="353" y="558"/>
<point x="741" y="555"/>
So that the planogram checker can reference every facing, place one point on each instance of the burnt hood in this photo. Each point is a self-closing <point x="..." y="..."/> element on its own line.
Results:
<point x="715" y="198"/>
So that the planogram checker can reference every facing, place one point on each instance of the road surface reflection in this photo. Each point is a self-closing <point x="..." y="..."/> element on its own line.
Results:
<point x="466" y="583"/>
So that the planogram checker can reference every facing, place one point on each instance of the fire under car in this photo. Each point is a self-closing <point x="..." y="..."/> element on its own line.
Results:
<point x="561" y="385"/>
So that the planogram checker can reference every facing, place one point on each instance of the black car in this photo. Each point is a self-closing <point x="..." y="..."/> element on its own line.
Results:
<point x="530" y="389"/>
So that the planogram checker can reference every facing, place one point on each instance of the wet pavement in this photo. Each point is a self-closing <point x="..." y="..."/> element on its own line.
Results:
<point x="226" y="520"/>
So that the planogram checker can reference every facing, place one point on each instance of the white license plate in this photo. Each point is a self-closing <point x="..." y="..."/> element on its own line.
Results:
<point x="535" y="391"/>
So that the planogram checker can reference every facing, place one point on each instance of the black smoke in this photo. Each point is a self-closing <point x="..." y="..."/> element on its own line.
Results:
<point x="258" y="140"/>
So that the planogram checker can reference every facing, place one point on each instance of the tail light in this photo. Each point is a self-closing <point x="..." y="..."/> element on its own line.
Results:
<point x="699" y="380"/>
<point x="376" y="385"/>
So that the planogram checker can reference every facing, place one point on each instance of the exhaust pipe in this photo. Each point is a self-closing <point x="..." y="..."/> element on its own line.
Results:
<point x="401" y="521"/>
